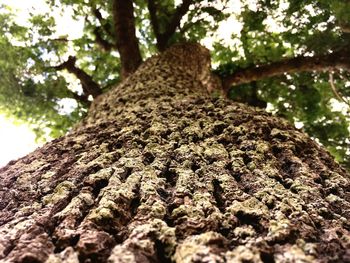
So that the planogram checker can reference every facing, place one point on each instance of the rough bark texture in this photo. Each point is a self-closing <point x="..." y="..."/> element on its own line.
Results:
<point x="160" y="172"/>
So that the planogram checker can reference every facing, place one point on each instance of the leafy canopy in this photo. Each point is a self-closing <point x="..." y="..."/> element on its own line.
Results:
<point x="38" y="78"/>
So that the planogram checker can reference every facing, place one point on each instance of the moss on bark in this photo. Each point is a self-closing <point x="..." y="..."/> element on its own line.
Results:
<point x="161" y="172"/>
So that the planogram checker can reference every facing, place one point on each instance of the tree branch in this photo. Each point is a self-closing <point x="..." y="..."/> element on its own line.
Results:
<point x="336" y="60"/>
<point x="176" y="19"/>
<point x="334" y="90"/>
<point x="345" y="28"/>
<point x="106" y="26"/>
<point x="173" y="25"/>
<point x="127" y="42"/>
<point x="104" y="44"/>
<point x="59" y="39"/>
<point x="83" y="99"/>
<point x="90" y="87"/>
<point x="152" y="9"/>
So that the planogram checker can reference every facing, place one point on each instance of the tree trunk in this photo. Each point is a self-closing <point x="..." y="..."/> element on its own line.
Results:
<point x="160" y="172"/>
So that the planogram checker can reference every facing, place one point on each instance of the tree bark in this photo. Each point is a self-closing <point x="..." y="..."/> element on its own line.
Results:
<point x="160" y="172"/>
<point x="127" y="43"/>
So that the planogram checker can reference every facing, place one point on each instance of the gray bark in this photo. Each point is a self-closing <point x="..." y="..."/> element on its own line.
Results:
<point x="161" y="172"/>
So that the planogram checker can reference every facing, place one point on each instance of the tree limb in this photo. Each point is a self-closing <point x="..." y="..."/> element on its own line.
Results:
<point x="90" y="87"/>
<point x="104" y="44"/>
<point x="152" y="9"/>
<point x="127" y="42"/>
<point x="83" y="99"/>
<point x="345" y="28"/>
<point x="176" y="19"/>
<point x="334" y="90"/>
<point x="97" y="14"/>
<point x="336" y="60"/>
<point x="173" y="25"/>
<point x="59" y="39"/>
<point x="106" y="26"/>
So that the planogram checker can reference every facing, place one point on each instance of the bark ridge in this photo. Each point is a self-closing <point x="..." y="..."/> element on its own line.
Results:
<point x="161" y="172"/>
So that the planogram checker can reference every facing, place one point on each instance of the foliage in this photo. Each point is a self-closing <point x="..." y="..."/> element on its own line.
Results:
<point x="306" y="27"/>
<point x="271" y="30"/>
<point x="26" y="92"/>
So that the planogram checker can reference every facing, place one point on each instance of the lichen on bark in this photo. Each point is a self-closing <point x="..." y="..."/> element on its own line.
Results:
<point x="161" y="172"/>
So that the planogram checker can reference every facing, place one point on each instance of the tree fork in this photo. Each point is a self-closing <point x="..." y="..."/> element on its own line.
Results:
<point x="174" y="23"/>
<point x="159" y="171"/>
<point x="163" y="37"/>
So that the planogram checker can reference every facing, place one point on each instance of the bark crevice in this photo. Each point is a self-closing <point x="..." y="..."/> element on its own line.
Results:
<point x="149" y="178"/>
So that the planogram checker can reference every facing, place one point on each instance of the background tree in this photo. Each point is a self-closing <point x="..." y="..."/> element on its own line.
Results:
<point x="159" y="170"/>
<point x="303" y="90"/>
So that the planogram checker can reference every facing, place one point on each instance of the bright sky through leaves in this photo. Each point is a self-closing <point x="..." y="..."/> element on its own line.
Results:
<point x="19" y="140"/>
<point x="15" y="140"/>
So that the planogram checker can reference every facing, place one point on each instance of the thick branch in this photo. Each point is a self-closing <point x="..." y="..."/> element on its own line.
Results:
<point x="83" y="99"/>
<point x="127" y="42"/>
<point x="90" y="87"/>
<point x="106" y="26"/>
<point x="336" y="60"/>
<point x="176" y="19"/>
<point x="173" y="25"/>
<point x="345" y="28"/>
<point x="154" y="20"/>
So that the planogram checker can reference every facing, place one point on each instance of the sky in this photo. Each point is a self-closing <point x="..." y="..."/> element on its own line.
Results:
<point x="65" y="24"/>
<point x="16" y="140"/>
